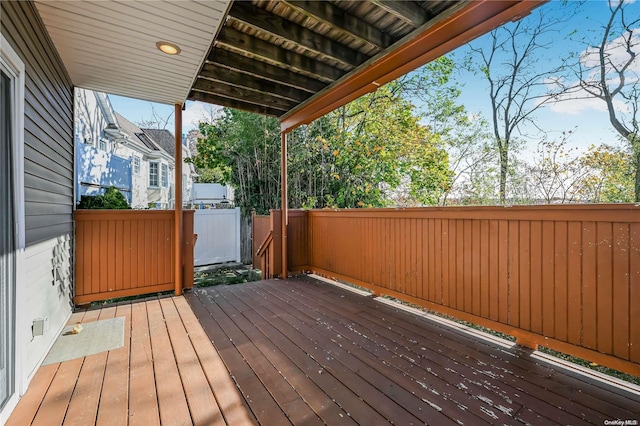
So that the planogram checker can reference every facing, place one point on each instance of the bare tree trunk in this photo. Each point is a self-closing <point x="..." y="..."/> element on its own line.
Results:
<point x="636" y="151"/>
<point x="504" y="170"/>
<point x="246" y="257"/>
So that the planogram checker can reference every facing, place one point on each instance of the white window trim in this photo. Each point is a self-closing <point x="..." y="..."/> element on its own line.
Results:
<point x="13" y="66"/>
<point x="149" y="175"/>
<point x="164" y="168"/>
<point x="133" y="161"/>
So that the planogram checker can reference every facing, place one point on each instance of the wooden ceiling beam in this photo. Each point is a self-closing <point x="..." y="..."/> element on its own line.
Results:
<point x="243" y="94"/>
<point x="275" y="25"/>
<point x="259" y="69"/>
<point x="225" y="75"/>
<point x="271" y="53"/>
<point x="408" y="11"/>
<point x="233" y="103"/>
<point x="462" y="25"/>
<point x="342" y="21"/>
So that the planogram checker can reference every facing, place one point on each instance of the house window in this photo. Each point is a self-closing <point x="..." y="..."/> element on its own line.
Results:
<point x="103" y="144"/>
<point x="153" y="174"/>
<point x="136" y="165"/>
<point x="165" y="175"/>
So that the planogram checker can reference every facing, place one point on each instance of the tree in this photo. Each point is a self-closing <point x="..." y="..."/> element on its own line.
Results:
<point x="609" y="70"/>
<point x="383" y="155"/>
<point x="245" y="149"/>
<point x="375" y="151"/>
<point x="511" y="59"/>
<point x="112" y="199"/>
<point x="470" y="159"/>
<point x="157" y="121"/>
<point x="558" y="175"/>
<point x="611" y="177"/>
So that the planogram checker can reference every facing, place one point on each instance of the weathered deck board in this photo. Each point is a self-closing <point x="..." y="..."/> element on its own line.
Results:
<point x="171" y="397"/>
<point x="202" y="404"/>
<point x="86" y="395"/>
<point x="376" y="363"/>
<point x="303" y="352"/>
<point x="233" y="408"/>
<point x="143" y="399"/>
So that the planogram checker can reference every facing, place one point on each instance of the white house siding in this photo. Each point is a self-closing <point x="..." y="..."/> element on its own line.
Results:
<point x="44" y="282"/>
<point x="90" y="122"/>
<point x="139" y="190"/>
<point x="47" y="282"/>
<point x="138" y="181"/>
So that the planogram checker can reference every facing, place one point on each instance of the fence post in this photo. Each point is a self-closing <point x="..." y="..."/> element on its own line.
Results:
<point x="275" y="256"/>
<point x="189" y="242"/>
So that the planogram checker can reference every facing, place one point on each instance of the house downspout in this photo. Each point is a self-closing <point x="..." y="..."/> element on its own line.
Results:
<point x="285" y="214"/>
<point x="177" y="237"/>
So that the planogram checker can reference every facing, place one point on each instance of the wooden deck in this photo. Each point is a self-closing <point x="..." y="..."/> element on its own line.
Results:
<point x="167" y="373"/>
<point x="304" y="352"/>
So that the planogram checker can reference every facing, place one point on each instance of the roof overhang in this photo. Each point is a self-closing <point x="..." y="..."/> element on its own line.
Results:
<point x="110" y="46"/>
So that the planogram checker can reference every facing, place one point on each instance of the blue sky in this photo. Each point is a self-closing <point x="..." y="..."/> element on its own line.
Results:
<point x="588" y="117"/>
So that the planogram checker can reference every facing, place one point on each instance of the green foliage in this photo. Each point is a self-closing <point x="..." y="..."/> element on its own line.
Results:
<point x="612" y="177"/>
<point x="206" y="175"/>
<point x="112" y="199"/>
<point x="243" y="150"/>
<point x="374" y="152"/>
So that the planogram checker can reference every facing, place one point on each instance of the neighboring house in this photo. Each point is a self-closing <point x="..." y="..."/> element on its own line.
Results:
<point x="166" y="140"/>
<point x="151" y="167"/>
<point x="112" y="151"/>
<point x="97" y="135"/>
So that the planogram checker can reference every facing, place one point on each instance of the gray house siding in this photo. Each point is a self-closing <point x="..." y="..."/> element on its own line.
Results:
<point x="45" y="269"/>
<point x="48" y="125"/>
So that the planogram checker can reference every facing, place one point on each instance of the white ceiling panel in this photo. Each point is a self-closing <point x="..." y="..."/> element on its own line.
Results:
<point x="110" y="46"/>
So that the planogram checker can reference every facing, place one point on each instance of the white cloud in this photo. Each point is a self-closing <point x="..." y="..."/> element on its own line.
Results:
<point x="580" y="101"/>
<point x="615" y="54"/>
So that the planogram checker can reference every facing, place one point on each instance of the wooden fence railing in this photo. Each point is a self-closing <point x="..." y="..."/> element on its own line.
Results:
<point x="260" y="229"/>
<point x="566" y="277"/>
<point x="128" y="252"/>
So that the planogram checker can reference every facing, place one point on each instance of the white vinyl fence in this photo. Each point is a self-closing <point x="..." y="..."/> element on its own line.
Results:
<point x="218" y="236"/>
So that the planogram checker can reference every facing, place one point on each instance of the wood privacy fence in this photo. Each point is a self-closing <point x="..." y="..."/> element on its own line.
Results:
<point x="260" y="228"/>
<point x="128" y="252"/>
<point x="565" y="277"/>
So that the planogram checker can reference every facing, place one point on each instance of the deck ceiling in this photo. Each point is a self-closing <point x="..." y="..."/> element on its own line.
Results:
<point x="110" y="46"/>
<point x="271" y="56"/>
<point x="280" y="58"/>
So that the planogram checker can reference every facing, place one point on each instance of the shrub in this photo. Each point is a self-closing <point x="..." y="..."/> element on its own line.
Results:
<point x="112" y="199"/>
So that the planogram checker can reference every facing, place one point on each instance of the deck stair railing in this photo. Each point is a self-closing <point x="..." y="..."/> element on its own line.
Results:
<point x="265" y="253"/>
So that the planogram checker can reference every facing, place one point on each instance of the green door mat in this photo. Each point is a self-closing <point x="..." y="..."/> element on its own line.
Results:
<point x="95" y="337"/>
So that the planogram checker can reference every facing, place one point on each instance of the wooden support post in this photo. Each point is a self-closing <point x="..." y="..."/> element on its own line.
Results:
<point x="285" y="216"/>
<point x="177" y="237"/>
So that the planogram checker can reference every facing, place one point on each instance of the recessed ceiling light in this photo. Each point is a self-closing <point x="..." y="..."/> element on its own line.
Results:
<point x="168" y="48"/>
